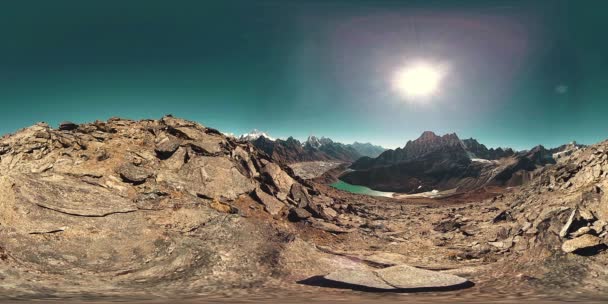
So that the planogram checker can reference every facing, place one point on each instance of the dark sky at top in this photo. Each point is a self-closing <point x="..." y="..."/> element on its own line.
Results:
<point x="521" y="73"/>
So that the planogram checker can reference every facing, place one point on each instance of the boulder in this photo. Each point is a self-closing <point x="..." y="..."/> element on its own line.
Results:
<point x="581" y="242"/>
<point x="320" y="207"/>
<point x="175" y="122"/>
<point x="134" y="174"/>
<point x="177" y="159"/>
<point x="167" y="147"/>
<point x="271" y="204"/>
<point x="205" y="144"/>
<point x="300" y="195"/>
<point x="279" y="179"/>
<point x="298" y="214"/>
<point x="67" y="126"/>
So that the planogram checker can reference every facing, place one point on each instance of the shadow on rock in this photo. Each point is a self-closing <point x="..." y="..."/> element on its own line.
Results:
<point x="320" y="281"/>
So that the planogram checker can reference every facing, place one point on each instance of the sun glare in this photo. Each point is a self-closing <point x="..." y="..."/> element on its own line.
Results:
<point x="417" y="81"/>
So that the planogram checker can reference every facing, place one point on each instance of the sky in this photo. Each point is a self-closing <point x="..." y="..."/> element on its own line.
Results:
<point x="517" y="73"/>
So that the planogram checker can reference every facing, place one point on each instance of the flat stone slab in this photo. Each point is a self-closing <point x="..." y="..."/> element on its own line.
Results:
<point x="399" y="278"/>
<point x="329" y="227"/>
<point x="69" y="196"/>
<point x="363" y="278"/>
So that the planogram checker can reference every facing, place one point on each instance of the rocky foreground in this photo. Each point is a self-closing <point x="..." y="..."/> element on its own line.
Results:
<point x="172" y="208"/>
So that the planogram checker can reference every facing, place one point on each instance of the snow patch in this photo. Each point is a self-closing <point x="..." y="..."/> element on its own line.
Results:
<point x="481" y="160"/>
<point x="253" y="135"/>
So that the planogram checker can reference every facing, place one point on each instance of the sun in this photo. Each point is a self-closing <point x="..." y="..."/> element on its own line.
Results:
<point x="418" y="81"/>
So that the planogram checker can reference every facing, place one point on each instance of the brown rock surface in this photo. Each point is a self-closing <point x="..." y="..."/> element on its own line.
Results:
<point x="70" y="225"/>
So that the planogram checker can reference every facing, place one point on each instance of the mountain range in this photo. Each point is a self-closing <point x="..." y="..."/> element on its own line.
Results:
<point x="169" y="207"/>
<point x="445" y="162"/>
<point x="314" y="148"/>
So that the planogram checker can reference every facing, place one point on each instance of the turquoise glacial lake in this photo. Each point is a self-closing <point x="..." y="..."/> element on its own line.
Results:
<point x="344" y="186"/>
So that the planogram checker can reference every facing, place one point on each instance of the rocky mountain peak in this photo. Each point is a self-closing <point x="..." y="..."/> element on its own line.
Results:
<point x="478" y="150"/>
<point x="429" y="142"/>
<point x="428" y="135"/>
<point x="316" y="142"/>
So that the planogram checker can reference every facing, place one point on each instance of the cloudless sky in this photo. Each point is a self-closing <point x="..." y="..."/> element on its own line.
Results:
<point x="520" y="73"/>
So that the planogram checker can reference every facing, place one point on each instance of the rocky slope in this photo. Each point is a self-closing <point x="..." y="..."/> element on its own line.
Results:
<point x="170" y="208"/>
<point x="144" y="206"/>
<point x="547" y="237"/>
<point x="560" y="220"/>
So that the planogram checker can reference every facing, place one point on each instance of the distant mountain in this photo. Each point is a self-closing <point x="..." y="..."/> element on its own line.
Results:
<point x="478" y="150"/>
<point x="367" y="149"/>
<point x="253" y="135"/>
<point x="313" y="149"/>
<point x="333" y="150"/>
<point x="516" y="169"/>
<point x="445" y="162"/>
<point x="428" y="142"/>
<point x="293" y="151"/>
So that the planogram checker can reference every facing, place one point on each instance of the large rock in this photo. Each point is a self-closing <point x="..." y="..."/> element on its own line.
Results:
<point x="205" y="143"/>
<point x="214" y="177"/>
<point x="134" y="174"/>
<point x="201" y="139"/>
<point x="67" y="126"/>
<point x="297" y="214"/>
<point x="300" y="195"/>
<point x="581" y="242"/>
<point x="398" y="277"/>
<point x="279" y="179"/>
<point x="175" y="122"/>
<point x="177" y="160"/>
<point x="320" y="207"/>
<point x="271" y="204"/>
<point x="167" y="147"/>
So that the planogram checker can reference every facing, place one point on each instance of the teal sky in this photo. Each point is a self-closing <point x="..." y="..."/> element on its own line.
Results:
<point x="521" y="73"/>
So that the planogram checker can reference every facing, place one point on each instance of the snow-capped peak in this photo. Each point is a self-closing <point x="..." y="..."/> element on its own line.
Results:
<point x="253" y="135"/>
<point x="317" y="142"/>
